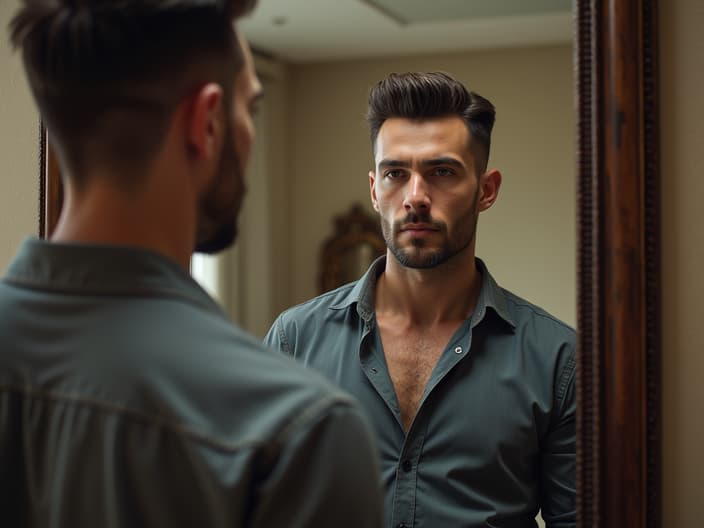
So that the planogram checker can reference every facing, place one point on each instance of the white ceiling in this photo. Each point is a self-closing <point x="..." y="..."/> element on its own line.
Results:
<point x="319" y="30"/>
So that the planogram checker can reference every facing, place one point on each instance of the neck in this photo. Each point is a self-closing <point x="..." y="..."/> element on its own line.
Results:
<point x="103" y="214"/>
<point x="424" y="297"/>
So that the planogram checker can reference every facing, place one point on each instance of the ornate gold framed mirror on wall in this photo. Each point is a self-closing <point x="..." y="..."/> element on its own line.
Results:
<point x="349" y="251"/>
<point x="618" y="458"/>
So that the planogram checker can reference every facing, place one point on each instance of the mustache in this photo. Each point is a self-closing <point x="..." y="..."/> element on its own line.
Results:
<point x="418" y="217"/>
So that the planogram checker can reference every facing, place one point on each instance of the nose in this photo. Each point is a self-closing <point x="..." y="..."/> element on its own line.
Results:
<point x="417" y="197"/>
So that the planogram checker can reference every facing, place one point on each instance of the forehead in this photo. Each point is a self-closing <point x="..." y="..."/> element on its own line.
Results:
<point x="421" y="138"/>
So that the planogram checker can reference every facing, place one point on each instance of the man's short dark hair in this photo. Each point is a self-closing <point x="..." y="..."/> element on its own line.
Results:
<point x="420" y="95"/>
<point x="106" y="74"/>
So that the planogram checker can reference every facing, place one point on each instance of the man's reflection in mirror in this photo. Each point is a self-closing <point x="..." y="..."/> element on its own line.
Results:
<point x="471" y="389"/>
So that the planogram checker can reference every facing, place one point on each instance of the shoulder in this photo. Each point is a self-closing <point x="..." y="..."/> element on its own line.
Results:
<point x="314" y="313"/>
<point x="526" y="313"/>
<point x="548" y="343"/>
<point x="205" y="375"/>
<point x="336" y="299"/>
<point x="231" y="365"/>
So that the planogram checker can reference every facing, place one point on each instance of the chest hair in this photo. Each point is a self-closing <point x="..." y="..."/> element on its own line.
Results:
<point x="411" y="358"/>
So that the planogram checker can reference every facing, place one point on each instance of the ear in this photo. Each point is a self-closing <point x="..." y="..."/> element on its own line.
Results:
<point x="372" y="190"/>
<point x="489" y="184"/>
<point x="205" y="123"/>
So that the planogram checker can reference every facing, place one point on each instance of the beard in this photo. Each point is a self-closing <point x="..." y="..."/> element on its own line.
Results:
<point x="420" y="255"/>
<point x="217" y="218"/>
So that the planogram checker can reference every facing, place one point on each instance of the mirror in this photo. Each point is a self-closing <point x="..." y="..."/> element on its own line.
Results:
<point x="348" y="252"/>
<point x="617" y="226"/>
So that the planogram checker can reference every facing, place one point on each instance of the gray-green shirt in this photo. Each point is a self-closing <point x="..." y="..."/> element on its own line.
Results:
<point x="127" y="399"/>
<point x="494" y="436"/>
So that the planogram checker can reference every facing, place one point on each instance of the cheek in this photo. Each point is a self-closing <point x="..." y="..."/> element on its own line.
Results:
<point x="384" y="207"/>
<point x="244" y="133"/>
<point x="387" y="199"/>
<point x="244" y="139"/>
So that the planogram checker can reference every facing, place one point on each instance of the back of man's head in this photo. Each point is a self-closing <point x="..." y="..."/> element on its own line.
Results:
<point x="106" y="74"/>
<point x="429" y="95"/>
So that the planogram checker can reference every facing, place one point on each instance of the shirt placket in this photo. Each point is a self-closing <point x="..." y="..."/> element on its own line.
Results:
<point x="405" y="491"/>
<point x="375" y="370"/>
<point x="407" y="471"/>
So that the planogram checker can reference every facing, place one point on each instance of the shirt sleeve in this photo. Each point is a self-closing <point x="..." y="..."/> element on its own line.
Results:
<point x="327" y="475"/>
<point x="559" y="454"/>
<point x="276" y="337"/>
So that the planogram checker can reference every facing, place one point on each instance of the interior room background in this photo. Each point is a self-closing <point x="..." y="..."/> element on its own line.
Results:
<point x="310" y="176"/>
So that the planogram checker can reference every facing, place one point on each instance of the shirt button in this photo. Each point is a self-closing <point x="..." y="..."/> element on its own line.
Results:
<point x="458" y="350"/>
<point x="406" y="466"/>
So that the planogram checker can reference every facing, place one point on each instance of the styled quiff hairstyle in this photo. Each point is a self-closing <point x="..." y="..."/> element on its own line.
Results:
<point x="420" y="95"/>
<point x="107" y="74"/>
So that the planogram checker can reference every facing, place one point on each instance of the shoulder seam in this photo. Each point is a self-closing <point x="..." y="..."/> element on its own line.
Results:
<point x="320" y="297"/>
<point x="540" y="312"/>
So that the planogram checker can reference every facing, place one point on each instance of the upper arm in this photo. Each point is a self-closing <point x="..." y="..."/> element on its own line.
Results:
<point x="326" y="475"/>
<point x="277" y="338"/>
<point x="559" y="453"/>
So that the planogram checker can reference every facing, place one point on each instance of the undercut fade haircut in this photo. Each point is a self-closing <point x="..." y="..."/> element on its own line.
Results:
<point x="421" y="95"/>
<point x="107" y="74"/>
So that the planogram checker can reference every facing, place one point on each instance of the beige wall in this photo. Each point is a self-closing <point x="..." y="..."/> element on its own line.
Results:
<point x="18" y="148"/>
<point x="682" y="151"/>
<point x="527" y="238"/>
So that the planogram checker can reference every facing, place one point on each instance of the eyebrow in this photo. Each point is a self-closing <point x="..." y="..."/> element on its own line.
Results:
<point x="432" y="162"/>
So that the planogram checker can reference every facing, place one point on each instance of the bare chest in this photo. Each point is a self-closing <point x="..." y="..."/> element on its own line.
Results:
<point x="411" y="358"/>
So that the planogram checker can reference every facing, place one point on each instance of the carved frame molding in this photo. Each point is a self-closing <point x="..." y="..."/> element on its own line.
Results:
<point x="619" y="417"/>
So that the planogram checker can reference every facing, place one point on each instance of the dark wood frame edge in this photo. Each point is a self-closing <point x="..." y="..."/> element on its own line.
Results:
<point x="619" y="348"/>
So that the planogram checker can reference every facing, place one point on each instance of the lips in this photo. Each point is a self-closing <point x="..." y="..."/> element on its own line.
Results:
<point x="418" y="230"/>
<point x="418" y="227"/>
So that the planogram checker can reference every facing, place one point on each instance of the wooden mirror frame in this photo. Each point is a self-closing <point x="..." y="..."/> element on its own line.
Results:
<point x="618" y="286"/>
<point x="618" y="321"/>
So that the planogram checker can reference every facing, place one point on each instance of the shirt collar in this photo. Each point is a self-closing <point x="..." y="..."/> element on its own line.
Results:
<point x="490" y="294"/>
<point x="103" y="270"/>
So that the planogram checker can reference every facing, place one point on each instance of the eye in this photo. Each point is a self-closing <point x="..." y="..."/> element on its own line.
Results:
<point x="443" y="171"/>
<point x="393" y="174"/>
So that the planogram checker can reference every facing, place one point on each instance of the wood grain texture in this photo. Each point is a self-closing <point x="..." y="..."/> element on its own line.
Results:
<point x="618" y="286"/>
<point x="51" y="191"/>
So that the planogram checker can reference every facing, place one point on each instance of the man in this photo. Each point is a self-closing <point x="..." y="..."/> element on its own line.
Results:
<point x="469" y="387"/>
<point x="127" y="398"/>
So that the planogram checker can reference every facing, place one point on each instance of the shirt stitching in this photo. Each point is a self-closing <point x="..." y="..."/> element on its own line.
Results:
<point x="283" y="340"/>
<point x="180" y="429"/>
<point x="537" y="312"/>
<point x="567" y="375"/>
<point x="155" y="293"/>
